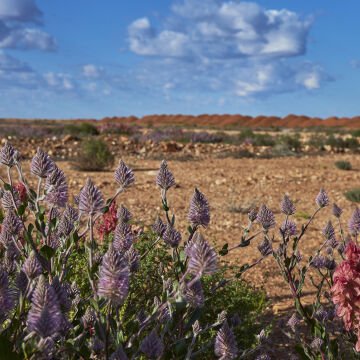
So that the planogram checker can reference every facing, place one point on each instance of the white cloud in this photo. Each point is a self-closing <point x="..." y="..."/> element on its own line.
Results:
<point x="19" y="10"/>
<point x="92" y="71"/>
<point x="59" y="81"/>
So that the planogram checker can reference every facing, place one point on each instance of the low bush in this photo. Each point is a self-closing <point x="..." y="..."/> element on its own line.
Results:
<point x="343" y="165"/>
<point x="339" y="144"/>
<point x="94" y="155"/>
<point x="353" y="195"/>
<point x="292" y="143"/>
<point x="82" y="129"/>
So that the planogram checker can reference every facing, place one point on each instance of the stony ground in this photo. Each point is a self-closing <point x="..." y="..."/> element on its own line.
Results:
<point x="232" y="186"/>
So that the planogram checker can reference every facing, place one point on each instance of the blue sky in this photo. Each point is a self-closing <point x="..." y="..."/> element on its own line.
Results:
<point x="92" y="58"/>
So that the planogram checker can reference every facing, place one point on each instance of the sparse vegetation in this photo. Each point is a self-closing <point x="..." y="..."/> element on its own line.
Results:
<point x="82" y="129"/>
<point x="343" y="165"/>
<point x="353" y="195"/>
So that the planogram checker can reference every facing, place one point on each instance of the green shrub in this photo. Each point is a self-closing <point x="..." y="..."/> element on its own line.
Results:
<point x="94" y="156"/>
<point x="353" y="195"/>
<point x="339" y="144"/>
<point x="82" y="129"/>
<point x="291" y="142"/>
<point x="356" y="133"/>
<point x="343" y="165"/>
<point x="317" y="141"/>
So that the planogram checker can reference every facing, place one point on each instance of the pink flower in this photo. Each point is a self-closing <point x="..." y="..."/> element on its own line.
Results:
<point x="346" y="290"/>
<point x="21" y="190"/>
<point x="108" y="221"/>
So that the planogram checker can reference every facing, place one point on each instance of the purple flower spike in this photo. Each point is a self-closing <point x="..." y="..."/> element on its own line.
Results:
<point x="8" y="155"/>
<point x="202" y="257"/>
<point x="199" y="211"/>
<point x="322" y="199"/>
<point x="171" y="236"/>
<point x="124" y="176"/>
<point x="287" y="206"/>
<point x="194" y="295"/>
<point x="288" y="228"/>
<point x="32" y="266"/>
<point x="152" y="346"/>
<point x="41" y="164"/>
<point x="6" y="295"/>
<point x="252" y="215"/>
<point x="56" y="188"/>
<point x="265" y="247"/>
<point x="225" y="343"/>
<point x="113" y="277"/>
<point x="329" y="231"/>
<point x="44" y="317"/>
<point x="123" y="214"/>
<point x="8" y="202"/>
<point x="337" y="211"/>
<point x="123" y="237"/>
<point x="293" y="322"/>
<point x="354" y="222"/>
<point x="90" y="199"/>
<point x="159" y="227"/>
<point x="165" y="179"/>
<point x="266" y="218"/>
<point x="133" y="259"/>
<point x="119" y="354"/>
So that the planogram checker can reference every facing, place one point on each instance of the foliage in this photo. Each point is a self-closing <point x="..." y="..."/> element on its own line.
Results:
<point x="94" y="155"/>
<point x="343" y="165"/>
<point x="82" y="129"/>
<point x="353" y="195"/>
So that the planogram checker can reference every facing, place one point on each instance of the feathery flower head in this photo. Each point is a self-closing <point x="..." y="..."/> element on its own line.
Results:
<point x="159" y="227"/>
<point x="124" y="176"/>
<point x="337" y="211"/>
<point x="194" y="294"/>
<point x="287" y="206"/>
<point x="225" y="343"/>
<point x="196" y="327"/>
<point x="199" y="210"/>
<point x="293" y="322"/>
<point x="329" y="231"/>
<point x="322" y="199"/>
<point x="56" y="188"/>
<point x="113" y="277"/>
<point x="6" y="295"/>
<point x="12" y="224"/>
<point x="119" y="354"/>
<point x="265" y="218"/>
<point x="354" y="222"/>
<point x="165" y="179"/>
<point x="265" y="247"/>
<point x="171" y="236"/>
<point x="41" y="164"/>
<point x="123" y="214"/>
<point x="152" y="345"/>
<point x="90" y="199"/>
<point x="32" y="266"/>
<point x="133" y="258"/>
<point x="7" y="200"/>
<point x="252" y="214"/>
<point x="322" y="262"/>
<point x="316" y="343"/>
<point x="202" y="257"/>
<point x="123" y="237"/>
<point x="288" y="228"/>
<point x="8" y="155"/>
<point x="44" y="317"/>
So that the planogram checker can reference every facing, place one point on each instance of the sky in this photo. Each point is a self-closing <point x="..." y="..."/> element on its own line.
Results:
<point x="92" y="58"/>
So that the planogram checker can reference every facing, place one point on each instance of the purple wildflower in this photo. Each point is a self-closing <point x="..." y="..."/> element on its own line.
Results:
<point x="113" y="277"/>
<point x="12" y="224"/>
<point x="288" y="228"/>
<point x="165" y="179"/>
<point x="316" y="344"/>
<point x="337" y="211"/>
<point x="159" y="227"/>
<point x="171" y="236"/>
<point x="32" y="266"/>
<point x="133" y="258"/>
<point x="252" y="215"/>
<point x="265" y="247"/>
<point x="6" y="295"/>
<point x="354" y="222"/>
<point x="8" y="155"/>
<point x="199" y="210"/>
<point x="293" y="322"/>
<point x="90" y="199"/>
<point x="202" y="257"/>
<point x="67" y="220"/>
<point x="266" y="218"/>
<point x="56" y="188"/>
<point x="225" y="343"/>
<point x="8" y="200"/>
<point x="44" y="317"/>
<point x="329" y="231"/>
<point x="123" y="214"/>
<point x="322" y="262"/>
<point x="287" y="206"/>
<point x="152" y="345"/>
<point x="41" y="164"/>
<point x="119" y="354"/>
<point x="322" y="199"/>
<point x="124" y="176"/>
<point x="123" y="237"/>
<point x="263" y="357"/>
<point x="194" y="294"/>
<point x="196" y="328"/>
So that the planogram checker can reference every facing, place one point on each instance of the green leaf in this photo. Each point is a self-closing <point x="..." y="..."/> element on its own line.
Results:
<point x="47" y="252"/>
<point x="7" y="187"/>
<point x="6" y="349"/>
<point x="21" y="209"/>
<point x="224" y="250"/>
